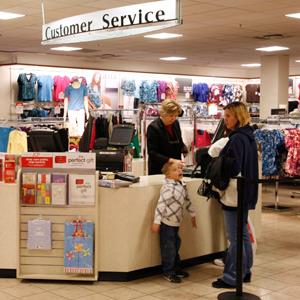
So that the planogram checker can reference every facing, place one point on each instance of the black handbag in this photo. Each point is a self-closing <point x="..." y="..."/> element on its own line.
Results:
<point x="206" y="190"/>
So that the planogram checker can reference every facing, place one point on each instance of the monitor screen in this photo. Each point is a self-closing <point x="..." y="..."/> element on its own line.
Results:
<point x="45" y="141"/>
<point x="121" y="135"/>
<point x="219" y="132"/>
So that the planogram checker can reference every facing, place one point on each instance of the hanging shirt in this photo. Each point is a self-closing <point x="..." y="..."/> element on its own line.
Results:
<point x="128" y="87"/>
<point x="4" y="134"/>
<point x="76" y="97"/>
<point x="148" y="91"/>
<point x="252" y="93"/>
<point x="270" y="141"/>
<point x="17" y="142"/>
<point x="292" y="143"/>
<point x="95" y="95"/>
<point x="45" y="86"/>
<point x="215" y="93"/>
<point x="200" y="92"/>
<point x="60" y="84"/>
<point x="27" y="84"/>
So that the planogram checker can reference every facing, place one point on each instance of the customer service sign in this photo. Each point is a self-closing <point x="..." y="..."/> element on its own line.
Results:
<point x="113" y="23"/>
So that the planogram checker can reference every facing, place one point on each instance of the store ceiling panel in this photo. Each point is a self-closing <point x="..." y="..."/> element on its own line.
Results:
<point x="215" y="32"/>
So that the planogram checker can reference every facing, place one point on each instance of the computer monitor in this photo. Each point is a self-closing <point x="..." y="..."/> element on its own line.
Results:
<point x="219" y="132"/>
<point x="121" y="135"/>
<point x="45" y="141"/>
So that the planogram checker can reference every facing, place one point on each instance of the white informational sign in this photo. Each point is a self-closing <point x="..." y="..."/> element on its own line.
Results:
<point x="113" y="23"/>
<point x="74" y="160"/>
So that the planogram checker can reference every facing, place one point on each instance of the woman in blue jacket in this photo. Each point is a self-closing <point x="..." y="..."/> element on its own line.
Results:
<point x="241" y="148"/>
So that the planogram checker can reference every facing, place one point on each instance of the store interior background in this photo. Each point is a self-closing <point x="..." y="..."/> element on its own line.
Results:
<point x="218" y="36"/>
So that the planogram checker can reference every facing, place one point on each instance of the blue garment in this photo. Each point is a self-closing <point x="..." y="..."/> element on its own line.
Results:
<point x="242" y="148"/>
<point x="95" y="96"/>
<point x="200" y="92"/>
<point x="229" y="274"/>
<point x="4" y="134"/>
<point x="26" y="84"/>
<point x="227" y="94"/>
<point x="148" y="91"/>
<point x="76" y="97"/>
<point x="45" y="86"/>
<point x="169" y="248"/>
<point x="270" y="141"/>
<point x="128" y="87"/>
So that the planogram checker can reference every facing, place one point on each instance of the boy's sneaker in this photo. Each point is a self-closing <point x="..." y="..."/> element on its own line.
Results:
<point x="218" y="262"/>
<point x="182" y="274"/>
<point x="172" y="278"/>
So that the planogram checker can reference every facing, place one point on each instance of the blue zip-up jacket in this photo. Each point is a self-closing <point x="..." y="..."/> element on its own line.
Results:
<point x="242" y="148"/>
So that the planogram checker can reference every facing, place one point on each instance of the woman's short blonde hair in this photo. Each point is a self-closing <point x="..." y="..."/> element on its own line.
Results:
<point x="240" y="111"/>
<point x="170" y="107"/>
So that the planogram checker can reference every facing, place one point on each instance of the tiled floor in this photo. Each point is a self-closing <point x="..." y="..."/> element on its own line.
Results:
<point x="276" y="274"/>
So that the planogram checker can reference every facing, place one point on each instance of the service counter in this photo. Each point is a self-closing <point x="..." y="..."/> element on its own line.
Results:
<point x="126" y="243"/>
<point x="125" y="218"/>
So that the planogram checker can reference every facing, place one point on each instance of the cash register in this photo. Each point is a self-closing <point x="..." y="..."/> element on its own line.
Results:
<point x="110" y="156"/>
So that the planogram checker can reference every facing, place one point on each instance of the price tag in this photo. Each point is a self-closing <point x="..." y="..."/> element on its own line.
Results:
<point x="163" y="96"/>
<point x="19" y="108"/>
<point x="56" y="109"/>
<point x="187" y="95"/>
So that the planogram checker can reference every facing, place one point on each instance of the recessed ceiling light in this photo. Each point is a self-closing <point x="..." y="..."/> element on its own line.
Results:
<point x="8" y="16"/>
<point x="173" y="58"/>
<point x="254" y="65"/>
<point x="163" y="35"/>
<point x="297" y="61"/>
<point x="272" y="48"/>
<point x="295" y="15"/>
<point x="65" y="48"/>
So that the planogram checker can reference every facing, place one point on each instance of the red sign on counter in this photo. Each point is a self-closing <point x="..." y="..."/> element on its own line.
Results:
<point x="37" y="161"/>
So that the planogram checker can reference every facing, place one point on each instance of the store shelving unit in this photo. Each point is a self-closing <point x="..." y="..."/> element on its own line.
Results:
<point x="49" y="264"/>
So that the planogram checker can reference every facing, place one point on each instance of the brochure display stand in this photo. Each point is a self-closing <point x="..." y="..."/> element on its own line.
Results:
<point x="58" y="217"/>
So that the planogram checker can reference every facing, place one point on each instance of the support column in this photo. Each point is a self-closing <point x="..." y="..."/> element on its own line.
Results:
<point x="274" y="83"/>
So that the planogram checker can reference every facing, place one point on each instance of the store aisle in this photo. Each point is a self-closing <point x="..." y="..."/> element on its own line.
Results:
<point x="276" y="274"/>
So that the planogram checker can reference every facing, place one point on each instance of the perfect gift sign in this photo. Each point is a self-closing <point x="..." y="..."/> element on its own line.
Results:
<point x="113" y="23"/>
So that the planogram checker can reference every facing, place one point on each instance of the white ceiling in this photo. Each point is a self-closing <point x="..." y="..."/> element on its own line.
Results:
<point x="216" y="33"/>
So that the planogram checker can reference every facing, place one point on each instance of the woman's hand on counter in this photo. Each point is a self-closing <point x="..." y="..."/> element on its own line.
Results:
<point x="155" y="227"/>
<point x="194" y="223"/>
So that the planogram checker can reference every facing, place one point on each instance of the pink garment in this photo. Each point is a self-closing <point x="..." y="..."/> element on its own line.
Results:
<point x="292" y="144"/>
<point x="60" y="84"/>
<point x="172" y="90"/>
<point x="161" y="89"/>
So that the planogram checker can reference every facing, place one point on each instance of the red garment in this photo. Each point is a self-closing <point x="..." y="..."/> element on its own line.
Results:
<point x="292" y="144"/>
<point x="169" y="128"/>
<point x="93" y="135"/>
<point x="202" y="140"/>
<point x="60" y="84"/>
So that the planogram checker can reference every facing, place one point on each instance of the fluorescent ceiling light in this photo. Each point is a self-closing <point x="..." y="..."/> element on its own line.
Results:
<point x="64" y="48"/>
<point x="172" y="58"/>
<point x="272" y="48"/>
<point x="163" y="36"/>
<point x="297" y="61"/>
<point x="254" y="65"/>
<point x="8" y="16"/>
<point x="296" y="15"/>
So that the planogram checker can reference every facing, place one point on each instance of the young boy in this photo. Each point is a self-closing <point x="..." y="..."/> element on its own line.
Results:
<point x="168" y="216"/>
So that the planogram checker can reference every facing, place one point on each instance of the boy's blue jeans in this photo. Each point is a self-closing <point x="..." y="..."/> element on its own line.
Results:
<point x="169" y="247"/>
